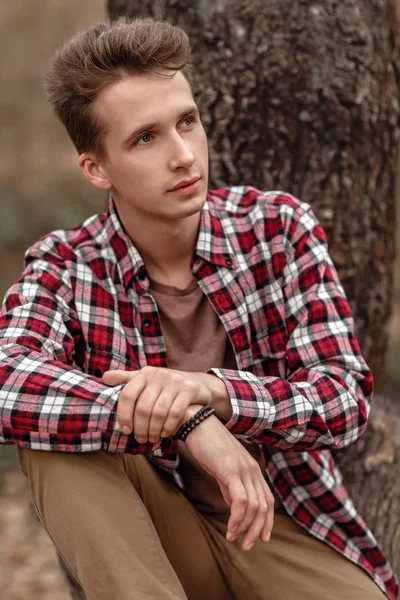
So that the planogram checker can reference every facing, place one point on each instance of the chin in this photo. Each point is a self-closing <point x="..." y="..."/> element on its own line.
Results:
<point x="192" y="205"/>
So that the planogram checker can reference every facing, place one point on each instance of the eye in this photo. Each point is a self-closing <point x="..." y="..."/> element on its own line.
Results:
<point x="188" y="121"/>
<point x="144" y="139"/>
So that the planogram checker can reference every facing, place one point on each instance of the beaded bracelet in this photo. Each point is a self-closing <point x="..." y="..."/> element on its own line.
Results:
<point x="186" y="428"/>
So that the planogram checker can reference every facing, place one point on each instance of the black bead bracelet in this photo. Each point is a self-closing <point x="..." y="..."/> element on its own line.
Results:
<point x="190" y="424"/>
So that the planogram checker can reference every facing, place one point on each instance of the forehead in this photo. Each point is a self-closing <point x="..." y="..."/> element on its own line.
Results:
<point x="141" y="99"/>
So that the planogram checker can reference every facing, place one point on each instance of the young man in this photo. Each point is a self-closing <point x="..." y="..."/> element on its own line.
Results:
<point x="174" y="300"/>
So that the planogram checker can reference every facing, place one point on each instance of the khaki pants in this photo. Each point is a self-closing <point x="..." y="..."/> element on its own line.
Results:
<point x="127" y="532"/>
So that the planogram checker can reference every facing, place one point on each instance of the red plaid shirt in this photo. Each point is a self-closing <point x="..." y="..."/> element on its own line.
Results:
<point x="82" y="306"/>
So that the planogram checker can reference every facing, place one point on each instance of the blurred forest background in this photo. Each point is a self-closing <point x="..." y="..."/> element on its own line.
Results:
<point x="41" y="188"/>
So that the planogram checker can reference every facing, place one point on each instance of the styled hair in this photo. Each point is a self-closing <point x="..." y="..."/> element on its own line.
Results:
<point x="101" y="56"/>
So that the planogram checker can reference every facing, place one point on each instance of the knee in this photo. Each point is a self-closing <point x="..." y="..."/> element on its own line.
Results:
<point x="44" y="467"/>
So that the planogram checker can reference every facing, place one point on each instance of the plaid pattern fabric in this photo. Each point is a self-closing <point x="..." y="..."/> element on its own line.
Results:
<point x="82" y="306"/>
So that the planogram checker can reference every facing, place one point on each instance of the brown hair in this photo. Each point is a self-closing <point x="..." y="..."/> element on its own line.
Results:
<point x="101" y="56"/>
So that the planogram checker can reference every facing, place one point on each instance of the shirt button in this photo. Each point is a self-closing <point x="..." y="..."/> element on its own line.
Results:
<point x="98" y="373"/>
<point x="229" y="262"/>
<point x="147" y="323"/>
<point x="142" y="275"/>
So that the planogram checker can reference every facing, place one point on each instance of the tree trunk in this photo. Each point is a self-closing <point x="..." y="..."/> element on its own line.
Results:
<point x="303" y="97"/>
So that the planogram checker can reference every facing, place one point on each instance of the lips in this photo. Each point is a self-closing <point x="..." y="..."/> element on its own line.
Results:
<point x="185" y="183"/>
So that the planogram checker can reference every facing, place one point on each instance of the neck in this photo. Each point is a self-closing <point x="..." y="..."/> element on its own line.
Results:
<point x="165" y="246"/>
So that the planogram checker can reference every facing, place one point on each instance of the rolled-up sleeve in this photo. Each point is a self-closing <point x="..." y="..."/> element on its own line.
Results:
<point x="323" y="400"/>
<point x="46" y="401"/>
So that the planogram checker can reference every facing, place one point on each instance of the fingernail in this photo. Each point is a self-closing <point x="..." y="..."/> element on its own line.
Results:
<point x="230" y="537"/>
<point x="249" y="546"/>
<point x="126" y="430"/>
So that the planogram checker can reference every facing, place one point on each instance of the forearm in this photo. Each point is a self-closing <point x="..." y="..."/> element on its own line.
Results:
<point x="319" y="411"/>
<point x="196" y="436"/>
<point x="48" y="405"/>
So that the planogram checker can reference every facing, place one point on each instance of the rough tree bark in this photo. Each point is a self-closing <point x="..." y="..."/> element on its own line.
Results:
<point x="304" y="97"/>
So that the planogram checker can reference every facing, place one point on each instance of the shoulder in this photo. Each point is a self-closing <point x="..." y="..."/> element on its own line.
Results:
<point x="242" y="200"/>
<point x="276" y="208"/>
<point x="66" y="245"/>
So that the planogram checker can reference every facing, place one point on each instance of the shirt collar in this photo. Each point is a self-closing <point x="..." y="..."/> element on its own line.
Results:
<point x="212" y="243"/>
<point x="128" y="259"/>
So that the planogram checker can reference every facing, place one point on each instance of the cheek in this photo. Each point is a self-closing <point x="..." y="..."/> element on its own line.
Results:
<point x="205" y="153"/>
<point x="133" y="171"/>
<point x="203" y="146"/>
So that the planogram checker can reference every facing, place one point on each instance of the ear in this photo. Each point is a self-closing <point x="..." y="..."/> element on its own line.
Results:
<point x="94" y="171"/>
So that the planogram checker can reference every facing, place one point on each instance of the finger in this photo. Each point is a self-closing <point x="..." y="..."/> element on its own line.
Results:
<point x="238" y="495"/>
<point x="126" y="403"/>
<point x="226" y="495"/>
<point x="256" y="526"/>
<point x="143" y="411"/>
<point x="159" y="415"/>
<point x="176" y="413"/>
<point x="269" y="520"/>
<point x="116" y="377"/>
<point x="252" y="505"/>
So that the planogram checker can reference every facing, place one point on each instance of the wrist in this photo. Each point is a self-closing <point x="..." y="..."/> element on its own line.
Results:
<point x="191" y="410"/>
<point x="198" y="417"/>
<point x="220" y="400"/>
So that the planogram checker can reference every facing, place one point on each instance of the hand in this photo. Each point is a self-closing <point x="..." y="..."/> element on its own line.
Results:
<point x="239" y="477"/>
<point x="154" y="400"/>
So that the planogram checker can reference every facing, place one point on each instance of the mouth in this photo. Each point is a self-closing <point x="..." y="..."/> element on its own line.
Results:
<point x="186" y="185"/>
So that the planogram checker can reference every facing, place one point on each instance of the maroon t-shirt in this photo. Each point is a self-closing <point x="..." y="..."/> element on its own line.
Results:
<point x="196" y="341"/>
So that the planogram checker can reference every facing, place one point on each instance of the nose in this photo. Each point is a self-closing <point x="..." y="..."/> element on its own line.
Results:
<point x="181" y="155"/>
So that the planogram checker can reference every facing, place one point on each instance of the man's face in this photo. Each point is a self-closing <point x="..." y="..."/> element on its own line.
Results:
<point x="154" y="143"/>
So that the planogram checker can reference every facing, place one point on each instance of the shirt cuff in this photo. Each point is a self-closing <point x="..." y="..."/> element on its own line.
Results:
<point x="253" y="409"/>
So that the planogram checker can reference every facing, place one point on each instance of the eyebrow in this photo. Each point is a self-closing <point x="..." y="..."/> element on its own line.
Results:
<point x="136" y="133"/>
